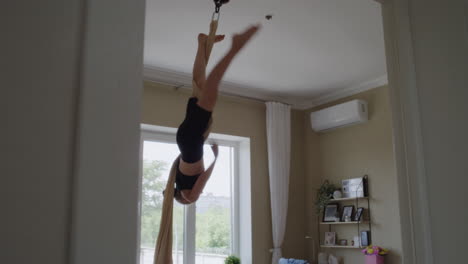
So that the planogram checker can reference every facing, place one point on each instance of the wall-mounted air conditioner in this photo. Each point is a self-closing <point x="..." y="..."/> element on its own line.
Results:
<point x="346" y="114"/>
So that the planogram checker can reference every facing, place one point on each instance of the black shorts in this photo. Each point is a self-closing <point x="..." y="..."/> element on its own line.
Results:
<point x="190" y="133"/>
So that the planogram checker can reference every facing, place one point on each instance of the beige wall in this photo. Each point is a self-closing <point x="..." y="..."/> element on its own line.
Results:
<point x="164" y="106"/>
<point x="352" y="152"/>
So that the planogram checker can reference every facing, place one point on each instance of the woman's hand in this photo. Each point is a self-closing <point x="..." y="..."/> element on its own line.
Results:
<point x="215" y="149"/>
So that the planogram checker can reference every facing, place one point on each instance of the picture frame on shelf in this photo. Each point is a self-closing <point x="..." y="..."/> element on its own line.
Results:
<point x="330" y="238"/>
<point x="347" y="213"/>
<point x="365" y="238"/>
<point x="330" y="213"/>
<point x="358" y="215"/>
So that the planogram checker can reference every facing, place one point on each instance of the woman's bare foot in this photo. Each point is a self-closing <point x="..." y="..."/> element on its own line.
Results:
<point x="203" y="37"/>
<point x="239" y="40"/>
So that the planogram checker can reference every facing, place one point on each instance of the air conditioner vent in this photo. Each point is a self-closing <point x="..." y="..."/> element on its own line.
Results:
<point x="346" y="114"/>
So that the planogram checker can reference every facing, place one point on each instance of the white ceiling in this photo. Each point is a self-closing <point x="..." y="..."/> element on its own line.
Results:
<point x="310" y="50"/>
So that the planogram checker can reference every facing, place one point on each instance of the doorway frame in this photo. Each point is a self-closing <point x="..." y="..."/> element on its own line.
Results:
<point x="94" y="109"/>
<point x="407" y="136"/>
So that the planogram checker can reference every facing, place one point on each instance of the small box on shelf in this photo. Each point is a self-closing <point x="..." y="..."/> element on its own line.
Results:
<point x="356" y="187"/>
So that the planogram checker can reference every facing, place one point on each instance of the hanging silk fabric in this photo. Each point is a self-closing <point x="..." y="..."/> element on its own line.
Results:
<point x="163" y="251"/>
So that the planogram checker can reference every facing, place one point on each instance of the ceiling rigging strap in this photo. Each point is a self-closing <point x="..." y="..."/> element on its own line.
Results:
<point x="213" y="28"/>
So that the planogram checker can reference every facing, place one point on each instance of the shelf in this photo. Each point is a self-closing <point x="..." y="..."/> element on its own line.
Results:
<point x="346" y="199"/>
<point x="344" y="223"/>
<point x="338" y="246"/>
<point x="365" y="224"/>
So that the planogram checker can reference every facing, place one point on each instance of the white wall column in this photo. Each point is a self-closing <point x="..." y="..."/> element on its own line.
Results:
<point x="427" y="51"/>
<point x="105" y="205"/>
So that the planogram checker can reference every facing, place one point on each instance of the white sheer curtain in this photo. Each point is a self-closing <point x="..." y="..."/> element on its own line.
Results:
<point x="279" y="152"/>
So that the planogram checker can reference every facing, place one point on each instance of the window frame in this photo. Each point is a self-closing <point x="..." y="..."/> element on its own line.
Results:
<point x="240" y="207"/>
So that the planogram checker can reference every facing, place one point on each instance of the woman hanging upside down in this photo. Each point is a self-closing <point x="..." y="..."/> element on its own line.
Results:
<point x="191" y="177"/>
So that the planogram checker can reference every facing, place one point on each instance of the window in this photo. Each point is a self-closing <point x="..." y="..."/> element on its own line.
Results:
<point x="205" y="232"/>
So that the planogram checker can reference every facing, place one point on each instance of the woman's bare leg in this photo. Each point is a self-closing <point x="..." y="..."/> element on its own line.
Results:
<point x="209" y="93"/>
<point x="199" y="66"/>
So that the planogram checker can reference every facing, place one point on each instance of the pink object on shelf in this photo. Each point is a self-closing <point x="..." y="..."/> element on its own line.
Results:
<point x="374" y="259"/>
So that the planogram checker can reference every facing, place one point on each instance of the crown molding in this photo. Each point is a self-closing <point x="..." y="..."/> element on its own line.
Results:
<point x="184" y="80"/>
<point x="344" y="92"/>
<point x="164" y="76"/>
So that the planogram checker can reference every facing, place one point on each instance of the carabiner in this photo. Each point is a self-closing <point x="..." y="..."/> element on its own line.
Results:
<point x="219" y="3"/>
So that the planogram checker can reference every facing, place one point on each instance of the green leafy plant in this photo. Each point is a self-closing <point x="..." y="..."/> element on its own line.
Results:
<point x="324" y="194"/>
<point x="232" y="260"/>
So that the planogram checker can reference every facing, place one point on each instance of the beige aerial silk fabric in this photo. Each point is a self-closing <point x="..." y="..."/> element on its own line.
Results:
<point x="163" y="251"/>
<point x="211" y="39"/>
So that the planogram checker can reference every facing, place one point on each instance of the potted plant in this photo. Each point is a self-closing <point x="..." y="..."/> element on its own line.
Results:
<point x="375" y="254"/>
<point x="232" y="260"/>
<point x="324" y="194"/>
